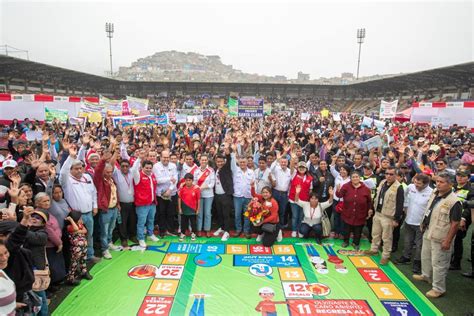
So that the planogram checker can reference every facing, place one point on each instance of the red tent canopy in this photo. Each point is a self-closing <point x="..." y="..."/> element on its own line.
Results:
<point x="404" y="115"/>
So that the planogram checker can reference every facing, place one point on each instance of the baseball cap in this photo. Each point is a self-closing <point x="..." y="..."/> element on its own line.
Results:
<point x="9" y="163"/>
<point x="302" y="164"/>
<point x="462" y="173"/>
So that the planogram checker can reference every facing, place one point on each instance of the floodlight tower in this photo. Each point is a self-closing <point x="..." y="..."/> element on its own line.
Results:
<point x="360" y="40"/>
<point x="109" y="29"/>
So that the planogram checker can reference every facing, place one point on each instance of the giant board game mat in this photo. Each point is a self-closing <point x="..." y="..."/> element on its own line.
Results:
<point x="239" y="277"/>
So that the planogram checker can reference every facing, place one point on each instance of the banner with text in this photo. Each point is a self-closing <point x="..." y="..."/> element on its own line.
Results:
<point x="50" y="114"/>
<point x="388" y="109"/>
<point x="250" y="107"/>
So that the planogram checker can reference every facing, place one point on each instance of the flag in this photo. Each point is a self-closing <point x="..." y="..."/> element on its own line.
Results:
<point x="233" y="107"/>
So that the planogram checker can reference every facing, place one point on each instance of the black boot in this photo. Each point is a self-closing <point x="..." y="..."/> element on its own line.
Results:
<point x="403" y="260"/>
<point x="87" y="276"/>
<point x="417" y="266"/>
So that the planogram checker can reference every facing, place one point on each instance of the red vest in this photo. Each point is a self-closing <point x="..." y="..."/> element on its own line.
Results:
<point x="305" y="183"/>
<point x="145" y="190"/>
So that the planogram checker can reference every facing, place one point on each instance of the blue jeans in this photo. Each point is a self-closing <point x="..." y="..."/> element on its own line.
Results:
<point x="145" y="219"/>
<point x="305" y="230"/>
<point x="107" y="222"/>
<point x="204" y="212"/>
<point x="88" y="220"/>
<point x="240" y="205"/>
<point x="44" y="303"/>
<point x="296" y="216"/>
<point x="282" y="200"/>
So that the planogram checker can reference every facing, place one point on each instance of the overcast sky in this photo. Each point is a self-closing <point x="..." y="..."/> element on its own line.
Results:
<point x="264" y="37"/>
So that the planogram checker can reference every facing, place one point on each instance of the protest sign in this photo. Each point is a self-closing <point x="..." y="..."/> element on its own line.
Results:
<point x="51" y="114"/>
<point x="305" y="116"/>
<point x="250" y="107"/>
<point x="367" y="122"/>
<point x="374" y="142"/>
<point x="34" y="135"/>
<point x="388" y="109"/>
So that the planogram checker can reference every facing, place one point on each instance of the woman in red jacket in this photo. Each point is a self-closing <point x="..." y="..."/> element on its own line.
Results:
<point x="268" y="230"/>
<point x="304" y="180"/>
<point x="356" y="209"/>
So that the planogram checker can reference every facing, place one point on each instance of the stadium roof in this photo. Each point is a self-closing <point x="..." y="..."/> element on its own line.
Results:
<point x="19" y="70"/>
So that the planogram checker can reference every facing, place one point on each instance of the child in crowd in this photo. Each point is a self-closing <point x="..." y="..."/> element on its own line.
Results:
<point x="77" y="234"/>
<point x="188" y="205"/>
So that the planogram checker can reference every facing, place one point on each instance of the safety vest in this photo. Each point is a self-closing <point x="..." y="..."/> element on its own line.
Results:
<point x="440" y="221"/>
<point x="389" y="199"/>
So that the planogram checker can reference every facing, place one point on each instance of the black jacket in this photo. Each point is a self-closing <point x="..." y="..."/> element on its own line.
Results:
<point x="225" y="176"/>
<point x="322" y="187"/>
<point x="20" y="263"/>
<point x="36" y="240"/>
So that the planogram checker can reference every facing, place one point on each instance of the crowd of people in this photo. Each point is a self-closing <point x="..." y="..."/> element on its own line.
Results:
<point x="84" y="191"/>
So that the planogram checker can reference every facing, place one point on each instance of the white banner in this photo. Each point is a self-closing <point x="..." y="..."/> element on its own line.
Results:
<point x="336" y="117"/>
<point x="445" y="122"/>
<point x="388" y="109"/>
<point x="454" y="104"/>
<point x="305" y="116"/>
<point x="181" y="118"/>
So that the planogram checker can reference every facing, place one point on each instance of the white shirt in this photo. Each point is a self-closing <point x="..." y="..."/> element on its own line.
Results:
<point x="81" y="194"/>
<point x="164" y="174"/>
<point x="124" y="184"/>
<point x="312" y="216"/>
<point x="242" y="180"/>
<point x="186" y="169"/>
<point x="219" y="188"/>
<point x="282" y="177"/>
<point x="261" y="179"/>
<point x="416" y="203"/>
<point x="209" y="182"/>
<point x="341" y="181"/>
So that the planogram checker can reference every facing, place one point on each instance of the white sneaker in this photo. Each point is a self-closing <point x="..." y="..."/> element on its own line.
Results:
<point x="181" y="237"/>
<point x="153" y="238"/>
<point x="225" y="237"/>
<point x="142" y="243"/>
<point x="280" y="236"/>
<point x="114" y="247"/>
<point x="193" y="237"/>
<point x="106" y="254"/>
<point x="259" y="238"/>
<point x="300" y="235"/>
<point x="218" y="232"/>
<point x="293" y="234"/>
